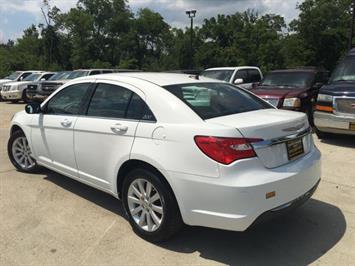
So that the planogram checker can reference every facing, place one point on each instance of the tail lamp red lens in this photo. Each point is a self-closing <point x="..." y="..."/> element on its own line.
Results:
<point x="226" y="150"/>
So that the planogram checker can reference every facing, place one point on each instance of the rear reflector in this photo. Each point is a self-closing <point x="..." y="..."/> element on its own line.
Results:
<point x="324" y="108"/>
<point x="226" y="150"/>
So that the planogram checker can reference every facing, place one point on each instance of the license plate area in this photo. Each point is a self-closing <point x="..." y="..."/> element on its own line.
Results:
<point x="294" y="148"/>
<point x="352" y="126"/>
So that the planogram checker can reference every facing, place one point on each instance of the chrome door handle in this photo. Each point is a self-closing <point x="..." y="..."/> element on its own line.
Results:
<point x="66" y="123"/>
<point x="118" y="128"/>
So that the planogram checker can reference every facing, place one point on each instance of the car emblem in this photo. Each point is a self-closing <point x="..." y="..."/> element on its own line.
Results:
<point x="295" y="128"/>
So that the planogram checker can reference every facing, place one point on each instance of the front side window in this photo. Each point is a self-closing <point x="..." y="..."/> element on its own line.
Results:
<point x="211" y="100"/>
<point x="32" y="77"/>
<point x="345" y="71"/>
<point x="224" y="75"/>
<point x="254" y="75"/>
<point x="67" y="101"/>
<point x="24" y="75"/>
<point x="242" y="74"/>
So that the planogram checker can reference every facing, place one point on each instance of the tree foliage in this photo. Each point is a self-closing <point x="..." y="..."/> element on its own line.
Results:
<point x="105" y="33"/>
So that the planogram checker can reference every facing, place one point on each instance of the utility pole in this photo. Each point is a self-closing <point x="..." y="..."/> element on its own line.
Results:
<point x="352" y="26"/>
<point x="192" y="14"/>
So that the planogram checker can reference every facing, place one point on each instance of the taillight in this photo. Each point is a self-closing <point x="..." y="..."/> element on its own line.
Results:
<point x="226" y="150"/>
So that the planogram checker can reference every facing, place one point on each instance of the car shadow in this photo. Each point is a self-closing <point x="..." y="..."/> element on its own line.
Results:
<point x="299" y="238"/>
<point x="346" y="141"/>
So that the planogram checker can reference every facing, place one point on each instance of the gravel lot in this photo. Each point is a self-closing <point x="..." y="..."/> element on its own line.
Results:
<point x="50" y="219"/>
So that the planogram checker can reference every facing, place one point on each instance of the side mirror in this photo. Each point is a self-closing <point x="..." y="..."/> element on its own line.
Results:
<point x="239" y="81"/>
<point x="42" y="79"/>
<point x="33" y="108"/>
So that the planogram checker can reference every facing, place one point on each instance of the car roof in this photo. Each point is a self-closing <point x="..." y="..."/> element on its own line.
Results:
<point x="232" y="68"/>
<point x="158" y="78"/>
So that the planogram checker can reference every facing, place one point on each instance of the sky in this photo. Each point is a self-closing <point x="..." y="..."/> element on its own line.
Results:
<point x="16" y="15"/>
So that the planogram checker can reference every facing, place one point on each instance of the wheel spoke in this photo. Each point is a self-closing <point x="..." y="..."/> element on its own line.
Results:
<point x="142" y="219"/>
<point x="30" y="160"/>
<point x="148" y="189"/>
<point x="136" y="210"/>
<point x="149" y="222"/>
<point x="155" y="197"/>
<point x="157" y="209"/>
<point x="141" y="187"/>
<point x="134" y="200"/>
<point x="155" y="218"/>
<point x="136" y="191"/>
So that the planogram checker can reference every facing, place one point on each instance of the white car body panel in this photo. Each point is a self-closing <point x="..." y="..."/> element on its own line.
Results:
<point x="208" y="193"/>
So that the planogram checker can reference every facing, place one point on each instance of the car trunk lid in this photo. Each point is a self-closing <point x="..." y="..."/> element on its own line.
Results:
<point x="278" y="128"/>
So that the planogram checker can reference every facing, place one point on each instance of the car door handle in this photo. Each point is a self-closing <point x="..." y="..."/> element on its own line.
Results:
<point x="66" y="123"/>
<point x="118" y="128"/>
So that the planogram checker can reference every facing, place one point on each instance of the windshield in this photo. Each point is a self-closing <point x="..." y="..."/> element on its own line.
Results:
<point x="13" y="76"/>
<point x="60" y="75"/>
<point x="288" y="79"/>
<point x="211" y="100"/>
<point x="345" y="71"/>
<point x="78" y="74"/>
<point x="32" y="77"/>
<point x="224" y="75"/>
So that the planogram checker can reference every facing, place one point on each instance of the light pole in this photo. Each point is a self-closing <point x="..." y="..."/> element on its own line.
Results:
<point x="191" y="14"/>
<point x="352" y="26"/>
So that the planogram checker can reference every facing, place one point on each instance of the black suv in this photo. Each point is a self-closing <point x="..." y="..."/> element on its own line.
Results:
<point x="335" y="109"/>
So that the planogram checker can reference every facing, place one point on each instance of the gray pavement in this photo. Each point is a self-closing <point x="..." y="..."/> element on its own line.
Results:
<point x="49" y="219"/>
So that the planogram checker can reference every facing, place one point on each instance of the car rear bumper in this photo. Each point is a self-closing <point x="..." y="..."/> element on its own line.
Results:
<point x="11" y="95"/>
<point x="234" y="203"/>
<point x="331" y="123"/>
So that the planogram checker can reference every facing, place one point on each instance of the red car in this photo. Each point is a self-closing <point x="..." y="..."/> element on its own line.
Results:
<point x="292" y="89"/>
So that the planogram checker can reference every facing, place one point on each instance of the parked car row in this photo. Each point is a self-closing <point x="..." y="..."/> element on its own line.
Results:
<point x="38" y="85"/>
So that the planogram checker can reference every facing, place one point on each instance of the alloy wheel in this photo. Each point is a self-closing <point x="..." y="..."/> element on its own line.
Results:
<point x="145" y="205"/>
<point x="22" y="153"/>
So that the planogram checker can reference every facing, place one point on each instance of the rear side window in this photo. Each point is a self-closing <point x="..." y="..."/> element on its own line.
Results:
<point x="68" y="100"/>
<point x="114" y="101"/>
<point x="211" y="100"/>
<point x="109" y="101"/>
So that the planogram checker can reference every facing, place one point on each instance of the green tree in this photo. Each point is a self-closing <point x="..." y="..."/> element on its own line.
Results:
<point x="323" y="29"/>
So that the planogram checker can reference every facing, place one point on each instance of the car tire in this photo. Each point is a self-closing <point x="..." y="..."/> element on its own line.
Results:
<point x="22" y="160"/>
<point x="169" y="215"/>
<point x="323" y="135"/>
<point x="24" y="97"/>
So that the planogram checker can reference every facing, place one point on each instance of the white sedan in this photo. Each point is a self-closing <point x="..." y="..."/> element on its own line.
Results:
<point x="175" y="148"/>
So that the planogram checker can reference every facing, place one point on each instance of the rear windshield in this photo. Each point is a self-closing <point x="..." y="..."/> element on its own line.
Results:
<point x="224" y="75"/>
<point x="211" y="100"/>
